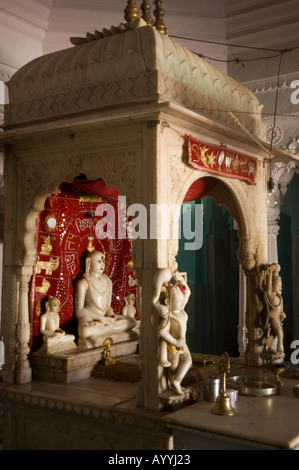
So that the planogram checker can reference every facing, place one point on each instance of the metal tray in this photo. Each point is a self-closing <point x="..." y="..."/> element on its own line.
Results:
<point x="253" y="386"/>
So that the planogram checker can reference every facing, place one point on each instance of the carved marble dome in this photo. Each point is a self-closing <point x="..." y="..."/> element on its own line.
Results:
<point x="129" y="64"/>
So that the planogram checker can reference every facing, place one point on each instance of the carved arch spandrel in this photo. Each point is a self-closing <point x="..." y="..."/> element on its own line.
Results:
<point x="41" y="178"/>
<point x="231" y="194"/>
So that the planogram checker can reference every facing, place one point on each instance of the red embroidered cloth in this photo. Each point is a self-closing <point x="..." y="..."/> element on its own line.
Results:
<point x="221" y="160"/>
<point x="63" y="232"/>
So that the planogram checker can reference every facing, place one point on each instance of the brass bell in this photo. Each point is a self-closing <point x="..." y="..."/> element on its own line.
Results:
<point x="223" y="406"/>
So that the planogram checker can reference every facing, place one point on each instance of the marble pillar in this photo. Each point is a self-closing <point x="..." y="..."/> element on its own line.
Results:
<point x="282" y="174"/>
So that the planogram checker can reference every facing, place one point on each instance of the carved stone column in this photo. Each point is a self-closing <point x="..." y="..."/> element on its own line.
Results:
<point x="22" y="368"/>
<point x="254" y="309"/>
<point x="282" y="174"/>
<point x="2" y="356"/>
<point x="242" y="329"/>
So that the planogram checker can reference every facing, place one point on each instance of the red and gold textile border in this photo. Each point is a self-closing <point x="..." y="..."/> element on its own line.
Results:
<point x="221" y="161"/>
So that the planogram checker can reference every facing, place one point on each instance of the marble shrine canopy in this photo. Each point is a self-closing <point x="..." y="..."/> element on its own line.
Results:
<point x="127" y="65"/>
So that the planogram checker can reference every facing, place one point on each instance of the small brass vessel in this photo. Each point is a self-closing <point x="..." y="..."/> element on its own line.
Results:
<point x="277" y="369"/>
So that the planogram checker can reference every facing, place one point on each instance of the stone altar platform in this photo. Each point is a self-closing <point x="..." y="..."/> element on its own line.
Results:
<point x="103" y="414"/>
<point x="260" y="423"/>
<point x="75" y="366"/>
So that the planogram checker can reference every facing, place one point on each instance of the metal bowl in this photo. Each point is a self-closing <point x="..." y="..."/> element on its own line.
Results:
<point x="291" y="372"/>
<point x="253" y="386"/>
<point x="296" y="390"/>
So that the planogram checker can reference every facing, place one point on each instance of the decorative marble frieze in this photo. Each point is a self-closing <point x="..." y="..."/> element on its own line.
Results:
<point x="129" y="90"/>
<point x="292" y="145"/>
<point x="282" y="174"/>
<point x="80" y="78"/>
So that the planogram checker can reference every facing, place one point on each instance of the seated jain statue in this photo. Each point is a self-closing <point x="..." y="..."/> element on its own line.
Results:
<point x="96" y="319"/>
<point x="171" y="294"/>
<point x="129" y="310"/>
<point x="55" y="340"/>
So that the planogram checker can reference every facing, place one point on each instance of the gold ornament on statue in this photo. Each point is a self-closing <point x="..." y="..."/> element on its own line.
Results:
<point x="90" y="247"/>
<point x="223" y="405"/>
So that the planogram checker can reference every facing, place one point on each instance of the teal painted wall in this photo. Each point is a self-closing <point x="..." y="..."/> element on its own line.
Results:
<point x="288" y="255"/>
<point x="213" y="277"/>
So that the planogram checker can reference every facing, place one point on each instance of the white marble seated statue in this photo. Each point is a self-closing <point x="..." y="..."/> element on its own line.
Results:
<point x="96" y="319"/>
<point x="129" y="309"/>
<point x="171" y="294"/>
<point x="55" y="340"/>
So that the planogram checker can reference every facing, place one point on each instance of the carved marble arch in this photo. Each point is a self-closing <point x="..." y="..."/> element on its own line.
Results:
<point x="46" y="186"/>
<point x="231" y="194"/>
<point x="70" y="247"/>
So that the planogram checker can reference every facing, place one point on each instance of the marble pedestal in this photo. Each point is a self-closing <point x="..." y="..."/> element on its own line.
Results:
<point x="126" y="369"/>
<point x="74" y="366"/>
<point x="65" y="344"/>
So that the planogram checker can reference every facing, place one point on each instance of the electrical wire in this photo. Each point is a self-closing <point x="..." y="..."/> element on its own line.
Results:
<point x="238" y="60"/>
<point x="278" y="53"/>
<point x="239" y="46"/>
<point x="276" y="101"/>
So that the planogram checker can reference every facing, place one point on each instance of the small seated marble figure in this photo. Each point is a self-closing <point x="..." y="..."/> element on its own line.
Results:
<point x="96" y="319"/>
<point x="54" y="338"/>
<point x="171" y="294"/>
<point x="129" y="310"/>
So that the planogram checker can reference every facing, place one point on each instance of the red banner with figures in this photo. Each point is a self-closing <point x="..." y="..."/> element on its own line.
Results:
<point x="65" y="228"/>
<point x="221" y="160"/>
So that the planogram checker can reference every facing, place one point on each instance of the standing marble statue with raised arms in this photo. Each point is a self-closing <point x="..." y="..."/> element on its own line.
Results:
<point x="171" y="294"/>
<point x="96" y="319"/>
